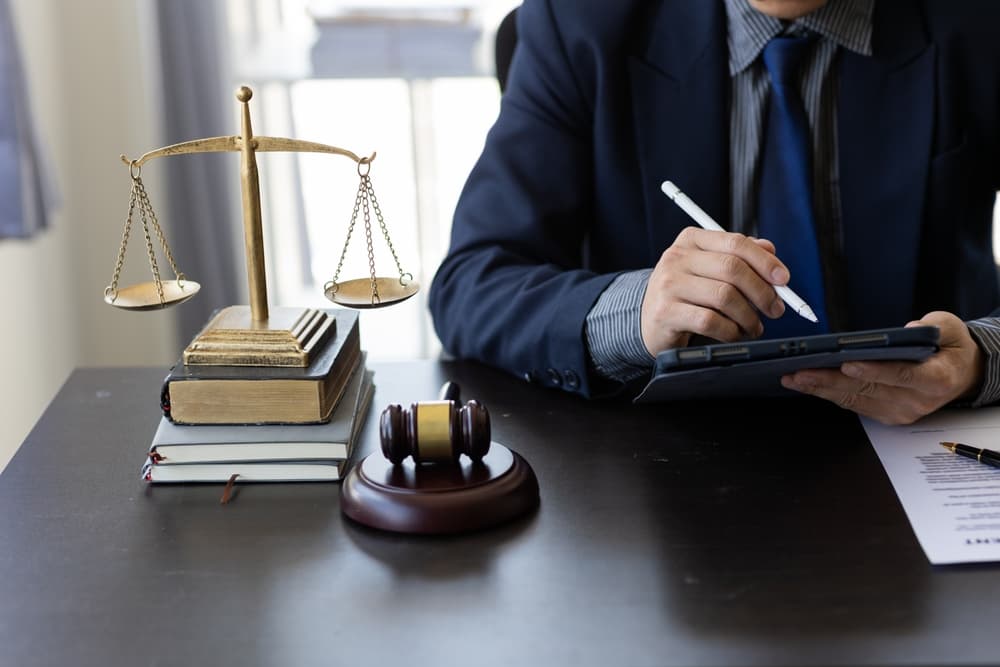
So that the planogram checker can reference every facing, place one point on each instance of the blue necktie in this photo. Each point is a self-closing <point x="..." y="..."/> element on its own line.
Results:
<point x="785" y="203"/>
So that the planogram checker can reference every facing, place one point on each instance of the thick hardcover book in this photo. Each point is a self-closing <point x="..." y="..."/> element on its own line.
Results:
<point x="263" y="461"/>
<point x="266" y="395"/>
<point x="216" y="443"/>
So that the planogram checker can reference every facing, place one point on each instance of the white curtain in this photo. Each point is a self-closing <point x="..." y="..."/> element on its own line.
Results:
<point x="199" y="102"/>
<point x="26" y="194"/>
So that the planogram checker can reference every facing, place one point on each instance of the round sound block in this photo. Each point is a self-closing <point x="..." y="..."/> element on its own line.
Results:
<point x="439" y="498"/>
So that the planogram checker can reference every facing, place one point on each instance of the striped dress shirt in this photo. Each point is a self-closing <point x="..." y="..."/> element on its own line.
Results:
<point x="613" y="333"/>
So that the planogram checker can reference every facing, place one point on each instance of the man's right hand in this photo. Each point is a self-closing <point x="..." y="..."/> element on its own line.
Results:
<point x="713" y="284"/>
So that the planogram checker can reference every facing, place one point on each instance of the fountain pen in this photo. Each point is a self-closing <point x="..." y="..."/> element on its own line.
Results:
<point x="987" y="456"/>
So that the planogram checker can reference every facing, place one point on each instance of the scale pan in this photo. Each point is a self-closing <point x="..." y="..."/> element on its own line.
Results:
<point x="357" y="293"/>
<point x="145" y="296"/>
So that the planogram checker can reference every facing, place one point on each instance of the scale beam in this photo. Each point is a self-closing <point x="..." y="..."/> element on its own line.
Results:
<point x="213" y="145"/>
<point x="234" y="144"/>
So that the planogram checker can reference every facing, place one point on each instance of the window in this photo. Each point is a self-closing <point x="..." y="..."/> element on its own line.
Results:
<point x="412" y="81"/>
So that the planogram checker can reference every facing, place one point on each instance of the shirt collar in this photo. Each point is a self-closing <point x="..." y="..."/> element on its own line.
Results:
<point x="847" y="23"/>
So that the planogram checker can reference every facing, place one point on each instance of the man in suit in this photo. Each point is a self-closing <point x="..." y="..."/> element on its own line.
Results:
<point x="567" y="265"/>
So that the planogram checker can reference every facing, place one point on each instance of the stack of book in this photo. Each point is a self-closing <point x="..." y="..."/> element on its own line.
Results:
<point x="264" y="424"/>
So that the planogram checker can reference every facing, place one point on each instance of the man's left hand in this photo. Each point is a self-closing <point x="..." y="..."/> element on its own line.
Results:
<point x="901" y="392"/>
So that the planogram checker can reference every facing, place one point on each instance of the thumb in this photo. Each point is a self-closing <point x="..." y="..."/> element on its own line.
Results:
<point x="953" y="329"/>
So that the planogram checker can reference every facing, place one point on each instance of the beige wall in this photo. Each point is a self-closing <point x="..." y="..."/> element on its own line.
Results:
<point x="87" y="65"/>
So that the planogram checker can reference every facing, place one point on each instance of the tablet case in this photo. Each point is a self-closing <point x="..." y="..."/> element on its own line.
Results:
<point x="762" y="378"/>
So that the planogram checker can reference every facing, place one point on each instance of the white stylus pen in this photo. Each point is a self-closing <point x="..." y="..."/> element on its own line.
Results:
<point x="706" y="222"/>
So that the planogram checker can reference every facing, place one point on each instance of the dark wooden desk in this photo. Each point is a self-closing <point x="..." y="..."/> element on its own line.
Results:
<point x="671" y="535"/>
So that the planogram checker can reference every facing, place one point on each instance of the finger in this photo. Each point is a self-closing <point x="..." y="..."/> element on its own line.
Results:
<point x="694" y="319"/>
<point x="762" y="261"/>
<point x="725" y="299"/>
<point x="890" y="405"/>
<point x="731" y="269"/>
<point x="904" y="374"/>
<point x="861" y="399"/>
<point x="939" y="377"/>
<point x="765" y="244"/>
<point x="954" y="332"/>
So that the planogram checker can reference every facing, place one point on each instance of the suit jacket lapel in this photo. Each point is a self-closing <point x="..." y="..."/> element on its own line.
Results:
<point x="885" y="122"/>
<point x="680" y="87"/>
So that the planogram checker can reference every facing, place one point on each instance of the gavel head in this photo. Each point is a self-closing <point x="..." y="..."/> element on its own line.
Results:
<point x="435" y="432"/>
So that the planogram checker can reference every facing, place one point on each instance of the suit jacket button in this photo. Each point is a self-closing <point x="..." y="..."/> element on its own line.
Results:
<point x="529" y="376"/>
<point x="571" y="378"/>
<point x="554" y="378"/>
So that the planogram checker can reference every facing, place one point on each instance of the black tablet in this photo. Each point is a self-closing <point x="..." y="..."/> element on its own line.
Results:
<point x="754" y="368"/>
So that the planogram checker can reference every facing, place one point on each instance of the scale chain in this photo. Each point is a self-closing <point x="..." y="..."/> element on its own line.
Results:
<point x="365" y="203"/>
<point x="343" y="253"/>
<point x="368" y="237"/>
<point x="113" y="288"/>
<point x="144" y="201"/>
<point x="385" y="231"/>
<point x="140" y="198"/>
<point x="149" y="242"/>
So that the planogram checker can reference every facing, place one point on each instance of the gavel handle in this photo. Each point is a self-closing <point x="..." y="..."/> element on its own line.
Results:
<point x="450" y="391"/>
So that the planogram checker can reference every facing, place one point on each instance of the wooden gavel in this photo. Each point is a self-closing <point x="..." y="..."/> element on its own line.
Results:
<point x="436" y="431"/>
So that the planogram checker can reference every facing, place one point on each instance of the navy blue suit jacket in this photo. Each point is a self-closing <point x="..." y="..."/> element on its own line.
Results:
<point x="608" y="99"/>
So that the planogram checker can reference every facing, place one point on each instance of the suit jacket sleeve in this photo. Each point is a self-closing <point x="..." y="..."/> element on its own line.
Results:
<point x="513" y="291"/>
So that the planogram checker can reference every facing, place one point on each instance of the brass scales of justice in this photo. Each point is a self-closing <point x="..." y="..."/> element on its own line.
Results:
<point x="255" y="335"/>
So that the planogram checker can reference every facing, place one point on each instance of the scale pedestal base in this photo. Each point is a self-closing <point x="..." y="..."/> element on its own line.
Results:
<point x="289" y="337"/>
<point x="439" y="498"/>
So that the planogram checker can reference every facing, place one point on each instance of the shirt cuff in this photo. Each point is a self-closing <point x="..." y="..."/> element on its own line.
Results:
<point x="614" y="337"/>
<point x="986" y="333"/>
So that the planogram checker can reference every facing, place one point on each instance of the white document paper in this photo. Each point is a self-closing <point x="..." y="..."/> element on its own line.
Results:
<point x="952" y="502"/>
